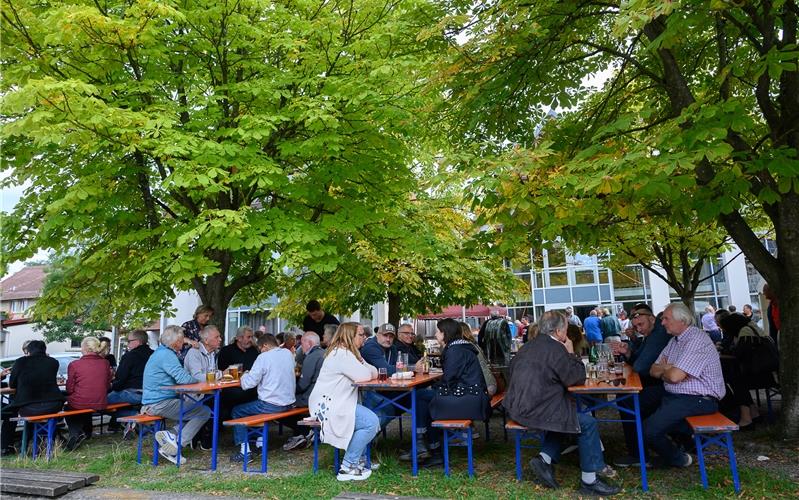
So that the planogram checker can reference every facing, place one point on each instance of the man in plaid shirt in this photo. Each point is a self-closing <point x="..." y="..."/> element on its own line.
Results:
<point x="691" y="372"/>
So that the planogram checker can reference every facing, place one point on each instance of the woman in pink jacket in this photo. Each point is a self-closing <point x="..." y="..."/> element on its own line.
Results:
<point x="88" y="381"/>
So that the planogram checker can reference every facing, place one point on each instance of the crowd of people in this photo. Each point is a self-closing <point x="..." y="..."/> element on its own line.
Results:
<point x="684" y="370"/>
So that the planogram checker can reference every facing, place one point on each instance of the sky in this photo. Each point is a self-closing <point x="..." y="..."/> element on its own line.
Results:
<point x="9" y="196"/>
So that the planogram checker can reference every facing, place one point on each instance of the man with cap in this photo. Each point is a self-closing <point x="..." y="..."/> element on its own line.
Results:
<point x="572" y="318"/>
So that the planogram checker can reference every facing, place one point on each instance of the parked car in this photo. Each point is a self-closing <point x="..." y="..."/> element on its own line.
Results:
<point x="64" y="359"/>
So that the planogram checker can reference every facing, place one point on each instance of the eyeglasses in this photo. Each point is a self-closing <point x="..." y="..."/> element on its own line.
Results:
<point x="406" y="333"/>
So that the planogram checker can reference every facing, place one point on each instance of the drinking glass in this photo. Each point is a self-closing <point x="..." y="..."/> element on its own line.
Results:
<point x="382" y="374"/>
<point x="212" y="376"/>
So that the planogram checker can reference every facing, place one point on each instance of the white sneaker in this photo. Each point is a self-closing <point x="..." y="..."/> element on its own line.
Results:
<point x="347" y="473"/>
<point x="259" y="443"/>
<point x="373" y="466"/>
<point x="173" y="458"/>
<point x="294" y="442"/>
<point x="167" y="442"/>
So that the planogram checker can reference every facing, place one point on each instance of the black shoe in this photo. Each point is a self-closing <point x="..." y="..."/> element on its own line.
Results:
<point x="75" y="441"/>
<point x="8" y="452"/>
<point x="435" y="460"/>
<point x="598" y="488"/>
<point x="748" y="427"/>
<point x="544" y="472"/>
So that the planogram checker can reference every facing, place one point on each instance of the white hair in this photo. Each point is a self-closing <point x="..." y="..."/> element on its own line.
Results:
<point x="206" y="332"/>
<point x="171" y="335"/>
<point x="312" y="336"/>
<point x="680" y="312"/>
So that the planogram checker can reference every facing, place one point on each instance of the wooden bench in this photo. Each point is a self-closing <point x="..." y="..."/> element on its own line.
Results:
<point x="148" y="425"/>
<point x="316" y="427"/>
<point x="459" y="431"/>
<point x="522" y="434"/>
<point x="496" y="404"/>
<point x="45" y="424"/>
<point x="714" y="430"/>
<point x="261" y="424"/>
<point x="45" y="483"/>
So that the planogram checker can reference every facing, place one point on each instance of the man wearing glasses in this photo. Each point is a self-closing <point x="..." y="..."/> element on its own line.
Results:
<point x="641" y="353"/>
<point x="127" y="384"/>
<point x="404" y="343"/>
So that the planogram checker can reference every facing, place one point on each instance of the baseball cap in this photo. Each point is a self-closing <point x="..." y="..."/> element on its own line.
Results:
<point x="387" y="328"/>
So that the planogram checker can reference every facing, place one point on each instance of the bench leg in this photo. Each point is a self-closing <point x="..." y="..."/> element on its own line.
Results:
<point x="488" y="436"/>
<point x="264" y="450"/>
<point x="156" y="428"/>
<point x="336" y="460"/>
<point x="50" y="436"/>
<point x="139" y="444"/>
<point x="315" y="450"/>
<point x="518" y="435"/>
<point x="504" y="429"/>
<point x="700" y="455"/>
<point x="469" y="450"/>
<point x="400" y="426"/>
<point x="446" y="452"/>
<point x="733" y="464"/>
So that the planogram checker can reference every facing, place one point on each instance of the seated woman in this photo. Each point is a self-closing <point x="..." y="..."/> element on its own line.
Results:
<point x="747" y="363"/>
<point x="334" y="401"/>
<point x="33" y="376"/>
<point x="462" y="393"/>
<point x="88" y="381"/>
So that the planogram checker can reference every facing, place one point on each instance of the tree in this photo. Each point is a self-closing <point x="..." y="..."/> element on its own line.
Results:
<point x="701" y="108"/>
<point x="203" y="144"/>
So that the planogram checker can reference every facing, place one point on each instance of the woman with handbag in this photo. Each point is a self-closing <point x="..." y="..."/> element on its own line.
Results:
<point x="346" y="424"/>
<point x="462" y="392"/>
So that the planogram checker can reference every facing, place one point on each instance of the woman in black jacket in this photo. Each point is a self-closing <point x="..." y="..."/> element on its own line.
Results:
<point x="34" y="378"/>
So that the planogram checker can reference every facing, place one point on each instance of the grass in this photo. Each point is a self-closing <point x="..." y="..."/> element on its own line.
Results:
<point x="290" y="473"/>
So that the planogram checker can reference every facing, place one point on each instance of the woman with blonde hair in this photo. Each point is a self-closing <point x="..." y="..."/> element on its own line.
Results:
<point x="346" y="424"/>
<point x="88" y="381"/>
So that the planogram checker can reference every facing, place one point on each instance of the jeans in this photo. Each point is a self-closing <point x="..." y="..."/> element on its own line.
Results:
<point x="367" y="426"/>
<point x="591" y="458"/>
<point x="648" y="401"/>
<point x="256" y="407"/>
<point x="193" y="420"/>
<point x="670" y="417"/>
<point x="132" y="396"/>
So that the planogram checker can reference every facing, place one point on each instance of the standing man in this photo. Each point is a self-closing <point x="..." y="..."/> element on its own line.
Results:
<point x="573" y="318"/>
<point x="538" y="397"/>
<point x="593" y="330"/>
<point x="164" y="369"/>
<point x="690" y="369"/>
<point x="405" y="343"/>
<point x="316" y="318"/>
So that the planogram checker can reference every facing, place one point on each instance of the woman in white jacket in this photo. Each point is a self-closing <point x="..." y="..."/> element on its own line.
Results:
<point x="334" y="401"/>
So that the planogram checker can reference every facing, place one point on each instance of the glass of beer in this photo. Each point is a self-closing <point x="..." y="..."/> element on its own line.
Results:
<point x="210" y="376"/>
<point x="235" y="371"/>
<point x="382" y="374"/>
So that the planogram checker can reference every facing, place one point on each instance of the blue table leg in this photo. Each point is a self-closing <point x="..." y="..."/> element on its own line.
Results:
<point x="215" y="432"/>
<point x="415" y="469"/>
<point x="639" y="434"/>
<point x="180" y="430"/>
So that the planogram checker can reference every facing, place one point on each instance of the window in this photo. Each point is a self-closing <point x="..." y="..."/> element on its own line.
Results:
<point x="584" y="277"/>
<point x="603" y="276"/>
<point x="556" y="256"/>
<point x="558" y="278"/>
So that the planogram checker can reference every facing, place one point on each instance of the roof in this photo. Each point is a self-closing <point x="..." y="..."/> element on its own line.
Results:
<point x="456" y="312"/>
<point x="26" y="283"/>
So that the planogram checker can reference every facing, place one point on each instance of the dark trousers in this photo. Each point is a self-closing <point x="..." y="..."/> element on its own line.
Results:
<point x="591" y="457"/>
<point x="648" y="401"/>
<point x="9" y="412"/>
<point x="670" y="418"/>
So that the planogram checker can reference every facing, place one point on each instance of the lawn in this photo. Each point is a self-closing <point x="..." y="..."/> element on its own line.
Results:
<point x="290" y="473"/>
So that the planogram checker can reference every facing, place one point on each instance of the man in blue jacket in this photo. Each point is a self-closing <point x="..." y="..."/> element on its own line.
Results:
<point x="164" y="369"/>
<point x="593" y="330"/>
<point x="641" y="355"/>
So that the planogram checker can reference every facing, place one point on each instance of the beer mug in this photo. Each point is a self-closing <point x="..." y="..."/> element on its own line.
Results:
<point x="212" y="376"/>
<point x="235" y="370"/>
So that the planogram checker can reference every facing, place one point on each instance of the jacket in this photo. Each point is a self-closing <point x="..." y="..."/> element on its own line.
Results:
<point x="131" y="369"/>
<point x="163" y="368"/>
<point x="333" y="398"/>
<point x="199" y="361"/>
<point x="311" y="365"/>
<point x="34" y="378"/>
<point x="88" y="381"/>
<point x="537" y="395"/>
<point x="380" y="357"/>
<point x="461" y="367"/>
<point x="231" y="354"/>
<point x="413" y="352"/>
<point x="647" y="351"/>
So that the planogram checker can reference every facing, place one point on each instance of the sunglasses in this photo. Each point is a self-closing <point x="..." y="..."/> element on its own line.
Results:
<point x="641" y="314"/>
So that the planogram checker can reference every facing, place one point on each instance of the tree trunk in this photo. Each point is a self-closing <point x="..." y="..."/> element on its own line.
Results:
<point x="214" y="293"/>
<point x="394" y="301"/>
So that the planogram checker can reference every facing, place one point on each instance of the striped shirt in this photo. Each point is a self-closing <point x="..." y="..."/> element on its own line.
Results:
<point x="694" y="353"/>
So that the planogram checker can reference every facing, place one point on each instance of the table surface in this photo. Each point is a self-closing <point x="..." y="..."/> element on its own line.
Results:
<point x="203" y="386"/>
<point x="632" y="384"/>
<point x="399" y="385"/>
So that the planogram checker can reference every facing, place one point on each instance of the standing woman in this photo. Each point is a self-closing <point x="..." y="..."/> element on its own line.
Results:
<point x="334" y="401"/>
<point x="191" y="329"/>
<point x="88" y="381"/>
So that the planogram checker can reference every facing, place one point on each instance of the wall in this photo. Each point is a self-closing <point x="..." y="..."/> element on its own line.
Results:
<point x="18" y="334"/>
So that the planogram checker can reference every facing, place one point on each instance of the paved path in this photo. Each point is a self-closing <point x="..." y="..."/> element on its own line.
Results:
<point x="94" y="493"/>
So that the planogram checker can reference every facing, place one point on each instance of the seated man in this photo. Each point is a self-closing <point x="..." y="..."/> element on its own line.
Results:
<point x="538" y="398"/>
<point x="199" y="361"/>
<point x="273" y="375"/>
<point x="381" y="352"/>
<point x="312" y="363"/>
<point x="405" y="343"/>
<point x="240" y="351"/>
<point x="127" y="384"/>
<point x="690" y="369"/>
<point x="163" y="369"/>
<point x="641" y="354"/>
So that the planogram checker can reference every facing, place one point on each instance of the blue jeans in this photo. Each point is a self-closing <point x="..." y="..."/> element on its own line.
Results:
<point x="669" y="418"/>
<point x="371" y="399"/>
<point x="131" y="396"/>
<point x="367" y="426"/>
<point x="256" y="407"/>
<point x="591" y="458"/>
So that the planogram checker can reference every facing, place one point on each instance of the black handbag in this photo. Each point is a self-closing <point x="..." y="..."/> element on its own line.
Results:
<point x="459" y="402"/>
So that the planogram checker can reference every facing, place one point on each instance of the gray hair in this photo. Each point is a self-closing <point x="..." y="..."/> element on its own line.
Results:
<point x="207" y="331"/>
<point x="139" y="335"/>
<point x="312" y="336"/>
<point x="171" y="335"/>
<point x="550" y="322"/>
<point x="330" y="330"/>
<point x="680" y="312"/>
<point x="244" y="329"/>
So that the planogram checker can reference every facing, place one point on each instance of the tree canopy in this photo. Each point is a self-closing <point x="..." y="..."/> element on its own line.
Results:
<point x="203" y="144"/>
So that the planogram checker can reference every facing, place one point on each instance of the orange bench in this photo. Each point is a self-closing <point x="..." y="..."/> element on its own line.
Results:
<point x="522" y="433"/>
<point x="714" y="430"/>
<point x="148" y="425"/>
<point x="457" y="430"/>
<point x="45" y="424"/>
<point x="261" y="423"/>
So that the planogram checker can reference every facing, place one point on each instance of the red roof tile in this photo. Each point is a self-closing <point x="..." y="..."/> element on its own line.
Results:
<point x="25" y="284"/>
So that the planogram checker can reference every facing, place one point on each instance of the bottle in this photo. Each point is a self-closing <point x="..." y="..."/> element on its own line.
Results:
<point x="425" y="363"/>
<point x="593" y="357"/>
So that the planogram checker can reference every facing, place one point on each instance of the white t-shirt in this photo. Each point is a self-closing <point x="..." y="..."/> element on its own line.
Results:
<point x="273" y="373"/>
